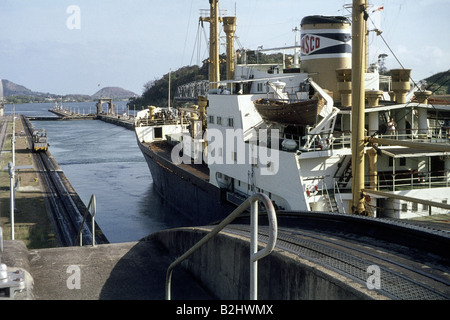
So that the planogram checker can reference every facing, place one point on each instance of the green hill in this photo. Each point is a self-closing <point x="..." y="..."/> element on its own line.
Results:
<point x="439" y="83"/>
<point x="156" y="92"/>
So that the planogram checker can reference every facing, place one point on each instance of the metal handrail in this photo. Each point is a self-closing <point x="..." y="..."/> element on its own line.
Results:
<point x="94" y="210"/>
<point x="254" y="254"/>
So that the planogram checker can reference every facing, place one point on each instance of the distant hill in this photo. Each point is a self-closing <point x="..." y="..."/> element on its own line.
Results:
<point x="13" y="89"/>
<point x="15" y="93"/>
<point x="439" y="83"/>
<point x="114" y="93"/>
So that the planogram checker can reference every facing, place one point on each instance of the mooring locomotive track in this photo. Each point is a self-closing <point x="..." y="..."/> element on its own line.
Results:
<point x="406" y="272"/>
<point x="67" y="213"/>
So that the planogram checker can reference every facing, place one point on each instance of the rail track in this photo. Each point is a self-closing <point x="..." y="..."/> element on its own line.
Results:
<point x="3" y="128"/>
<point x="66" y="214"/>
<point x="406" y="272"/>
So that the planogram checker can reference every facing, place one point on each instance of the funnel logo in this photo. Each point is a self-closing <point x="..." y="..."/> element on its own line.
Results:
<point x="325" y="44"/>
<point x="310" y="43"/>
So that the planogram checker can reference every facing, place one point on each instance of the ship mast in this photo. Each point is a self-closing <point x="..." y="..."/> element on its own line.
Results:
<point x="229" y="26"/>
<point x="358" y="107"/>
<point x="214" y="63"/>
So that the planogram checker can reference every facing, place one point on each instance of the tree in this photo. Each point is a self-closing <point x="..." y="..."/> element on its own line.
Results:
<point x="382" y="64"/>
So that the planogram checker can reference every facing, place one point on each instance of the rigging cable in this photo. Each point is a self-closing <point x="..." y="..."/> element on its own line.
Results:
<point x="196" y="43"/>
<point x="401" y="65"/>
<point x="187" y="32"/>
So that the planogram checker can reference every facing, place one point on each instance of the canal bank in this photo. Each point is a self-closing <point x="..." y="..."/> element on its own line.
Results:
<point x="103" y="158"/>
<point x="42" y="193"/>
<point x="32" y="224"/>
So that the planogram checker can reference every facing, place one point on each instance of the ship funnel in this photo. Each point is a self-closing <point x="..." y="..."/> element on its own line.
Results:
<point x="326" y="47"/>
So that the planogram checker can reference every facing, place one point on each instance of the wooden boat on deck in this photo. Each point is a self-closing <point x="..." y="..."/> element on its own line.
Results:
<point x="297" y="113"/>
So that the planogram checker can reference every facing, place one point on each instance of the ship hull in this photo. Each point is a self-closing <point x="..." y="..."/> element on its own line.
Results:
<point x="195" y="198"/>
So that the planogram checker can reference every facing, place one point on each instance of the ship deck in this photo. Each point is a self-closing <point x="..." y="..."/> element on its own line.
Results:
<point x="164" y="149"/>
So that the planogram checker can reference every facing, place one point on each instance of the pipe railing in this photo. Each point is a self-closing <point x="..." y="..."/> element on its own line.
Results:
<point x="92" y="203"/>
<point x="255" y="255"/>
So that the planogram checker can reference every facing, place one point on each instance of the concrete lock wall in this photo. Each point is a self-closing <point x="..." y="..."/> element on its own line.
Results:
<point x="222" y="266"/>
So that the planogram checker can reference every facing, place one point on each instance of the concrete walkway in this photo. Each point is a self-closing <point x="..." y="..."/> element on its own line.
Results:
<point x="135" y="270"/>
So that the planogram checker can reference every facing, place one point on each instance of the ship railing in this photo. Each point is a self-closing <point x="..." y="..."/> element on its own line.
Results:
<point x="434" y="134"/>
<point x="342" y="139"/>
<point x="317" y="186"/>
<point x="92" y="204"/>
<point x="255" y="255"/>
<point x="411" y="179"/>
<point x="335" y="140"/>
<point x="159" y="122"/>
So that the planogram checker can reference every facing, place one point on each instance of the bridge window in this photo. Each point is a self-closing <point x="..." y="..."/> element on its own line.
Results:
<point x="219" y="120"/>
<point x="158" y="133"/>
<point x="211" y="119"/>
<point x="231" y="122"/>
<point x="260" y="87"/>
<point x="404" y="207"/>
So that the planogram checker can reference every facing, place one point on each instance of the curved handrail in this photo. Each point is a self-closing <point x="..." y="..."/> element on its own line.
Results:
<point x="254" y="255"/>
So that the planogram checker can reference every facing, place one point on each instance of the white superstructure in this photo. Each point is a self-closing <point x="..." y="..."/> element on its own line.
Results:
<point x="315" y="174"/>
<point x="307" y="165"/>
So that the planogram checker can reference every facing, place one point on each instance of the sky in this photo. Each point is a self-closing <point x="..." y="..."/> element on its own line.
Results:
<point x="80" y="46"/>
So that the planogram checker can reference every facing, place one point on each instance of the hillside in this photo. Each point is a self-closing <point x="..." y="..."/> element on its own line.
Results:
<point x="15" y="93"/>
<point x="114" y="93"/>
<point x="13" y="89"/>
<point x="156" y="92"/>
<point x="439" y="83"/>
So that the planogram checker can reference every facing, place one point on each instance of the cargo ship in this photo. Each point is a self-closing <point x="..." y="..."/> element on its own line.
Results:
<point x="326" y="132"/>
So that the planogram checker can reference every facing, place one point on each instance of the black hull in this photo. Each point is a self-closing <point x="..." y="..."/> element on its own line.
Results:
<point x="193" y="197"/>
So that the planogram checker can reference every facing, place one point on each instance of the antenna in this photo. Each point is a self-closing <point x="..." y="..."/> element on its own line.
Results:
<point x="296" y="56"/>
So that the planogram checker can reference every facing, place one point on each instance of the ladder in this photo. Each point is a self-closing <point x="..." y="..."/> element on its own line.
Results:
<point x="346" y="175"/>
<point x="331" y="202"/>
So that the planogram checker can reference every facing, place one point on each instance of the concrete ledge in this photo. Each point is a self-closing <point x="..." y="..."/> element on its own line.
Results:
<point x="120" y="271"/>
<point x="15" y="254"/>
<point x="222" y="265"/>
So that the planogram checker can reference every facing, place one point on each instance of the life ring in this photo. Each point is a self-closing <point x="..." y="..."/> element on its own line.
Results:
<point x="324" y="143"/>
<point x="312" y="190"/>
